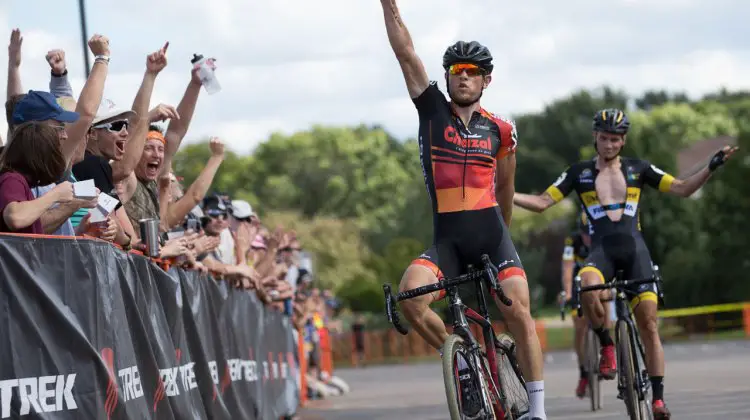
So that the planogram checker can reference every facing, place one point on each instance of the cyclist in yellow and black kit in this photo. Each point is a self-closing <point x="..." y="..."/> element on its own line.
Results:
<point x="609" y="188"/>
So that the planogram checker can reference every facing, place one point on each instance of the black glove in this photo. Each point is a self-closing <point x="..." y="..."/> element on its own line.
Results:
<point x="716" y="161"/>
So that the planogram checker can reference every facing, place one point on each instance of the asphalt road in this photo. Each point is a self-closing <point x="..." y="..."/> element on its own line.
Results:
<point x="703" y="381"/>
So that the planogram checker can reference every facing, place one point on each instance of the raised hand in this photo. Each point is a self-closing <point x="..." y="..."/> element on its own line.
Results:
<point x="216" y="146"/>
<point x="14" y="48"/>
<point x="56" y="60"/>
<point x="155" y="62"/>
<point x="99" y="45"/>
<point x="163" y="112"/>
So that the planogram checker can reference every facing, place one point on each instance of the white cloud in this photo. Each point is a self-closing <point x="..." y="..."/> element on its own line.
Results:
<point x="285" y="65"/>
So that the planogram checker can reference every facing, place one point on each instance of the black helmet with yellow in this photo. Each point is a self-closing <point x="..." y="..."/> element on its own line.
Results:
<point x="611" y="120"/>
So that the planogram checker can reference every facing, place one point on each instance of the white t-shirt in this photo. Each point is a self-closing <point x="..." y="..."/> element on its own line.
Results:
<point x="291" y="276"/>
<point x="225" y="250"/>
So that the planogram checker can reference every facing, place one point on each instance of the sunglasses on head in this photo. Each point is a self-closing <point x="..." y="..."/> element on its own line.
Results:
<point x="114" y="126"/>
<point x="470" y="69"/>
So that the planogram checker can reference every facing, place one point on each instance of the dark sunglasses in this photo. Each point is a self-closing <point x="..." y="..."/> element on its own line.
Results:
<point x="114" y="126"/>
<point x="216" y="214"/>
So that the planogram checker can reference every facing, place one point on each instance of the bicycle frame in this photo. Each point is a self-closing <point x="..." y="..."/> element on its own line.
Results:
<point x="462" y="314"/>
<point x="625" y="317"/>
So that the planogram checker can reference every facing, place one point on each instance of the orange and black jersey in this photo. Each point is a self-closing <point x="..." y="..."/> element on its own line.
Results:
<point x="581" y="178"/>
<point x="459" y="161"/>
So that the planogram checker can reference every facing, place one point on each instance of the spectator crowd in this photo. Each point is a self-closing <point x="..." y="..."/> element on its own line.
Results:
<point x="56" y="143"/>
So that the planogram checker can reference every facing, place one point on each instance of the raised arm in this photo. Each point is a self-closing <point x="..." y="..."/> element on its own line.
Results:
<point x="402" y="45"/>
<point x="686" y="187"/>
<point x="198" y="189"/>
<point x="14" y="64"/>
<point x="91" y="96"/>
<point x="123" y="169"/>
<point x="59" y="85"/>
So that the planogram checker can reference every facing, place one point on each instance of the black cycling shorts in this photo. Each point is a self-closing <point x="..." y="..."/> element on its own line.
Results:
<point x="465" y="237"/>
<point x="623" y="252"/>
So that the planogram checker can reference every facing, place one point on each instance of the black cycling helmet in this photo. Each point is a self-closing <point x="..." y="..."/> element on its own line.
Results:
<point x="611" y="120"/>
<point x="468" y="52"/>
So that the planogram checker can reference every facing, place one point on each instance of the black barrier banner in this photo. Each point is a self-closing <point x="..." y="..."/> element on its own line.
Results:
<point x="87" y="331"/>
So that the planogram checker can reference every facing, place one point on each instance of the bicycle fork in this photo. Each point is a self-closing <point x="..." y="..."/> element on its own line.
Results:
<point x="475" y="361"/>
<point x="636" y="350"/>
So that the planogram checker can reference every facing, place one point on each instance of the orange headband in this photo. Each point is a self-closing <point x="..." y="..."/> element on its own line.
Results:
<point x="156" y="135"/>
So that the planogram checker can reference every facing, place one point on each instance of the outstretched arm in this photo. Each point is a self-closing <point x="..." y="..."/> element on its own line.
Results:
<point x="551" y="196"/>
<point x="686" y="187"/>
<point x="535" y="203"/>
<point x="412" y="67"/>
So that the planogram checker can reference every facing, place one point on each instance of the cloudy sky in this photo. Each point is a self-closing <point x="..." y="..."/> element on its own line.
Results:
<point x="287" y="64"/>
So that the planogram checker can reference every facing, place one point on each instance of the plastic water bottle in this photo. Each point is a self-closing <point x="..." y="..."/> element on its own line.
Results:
<point x="206" y="73"/>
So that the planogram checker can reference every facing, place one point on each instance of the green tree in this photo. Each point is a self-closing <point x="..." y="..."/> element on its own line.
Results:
<point x="336" y="245"/>
<point x="725" y="248"/>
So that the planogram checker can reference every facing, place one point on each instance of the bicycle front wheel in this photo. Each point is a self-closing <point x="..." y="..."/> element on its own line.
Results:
<point x="626" y="376"/>
<point x="475" y="403"/>
<point x="512" y="384"/>
<point x="592" y="367"/>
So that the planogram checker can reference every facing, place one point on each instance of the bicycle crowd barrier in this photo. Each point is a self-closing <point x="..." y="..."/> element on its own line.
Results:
<point x="89" y="331"/>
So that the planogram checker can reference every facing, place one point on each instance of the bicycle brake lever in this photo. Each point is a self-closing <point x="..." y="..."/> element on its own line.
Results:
<point x="391" y="312"/>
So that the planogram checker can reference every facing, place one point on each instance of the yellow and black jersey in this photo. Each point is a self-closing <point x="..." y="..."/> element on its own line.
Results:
<point x="580" y="177"/>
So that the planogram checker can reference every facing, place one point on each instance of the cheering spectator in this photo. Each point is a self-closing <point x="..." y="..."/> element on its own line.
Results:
<point x="156" y="159"/>
<point x="31" y="158"/>
<point x="113" y="150"/>
<point x="42" y="107"/>
<point x="222" y="260"/>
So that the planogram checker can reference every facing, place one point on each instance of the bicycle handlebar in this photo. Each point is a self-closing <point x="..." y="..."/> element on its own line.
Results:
<point x="391" y="312"/>
<point x="617" y="284"/>
<point x="488" y="273"/>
